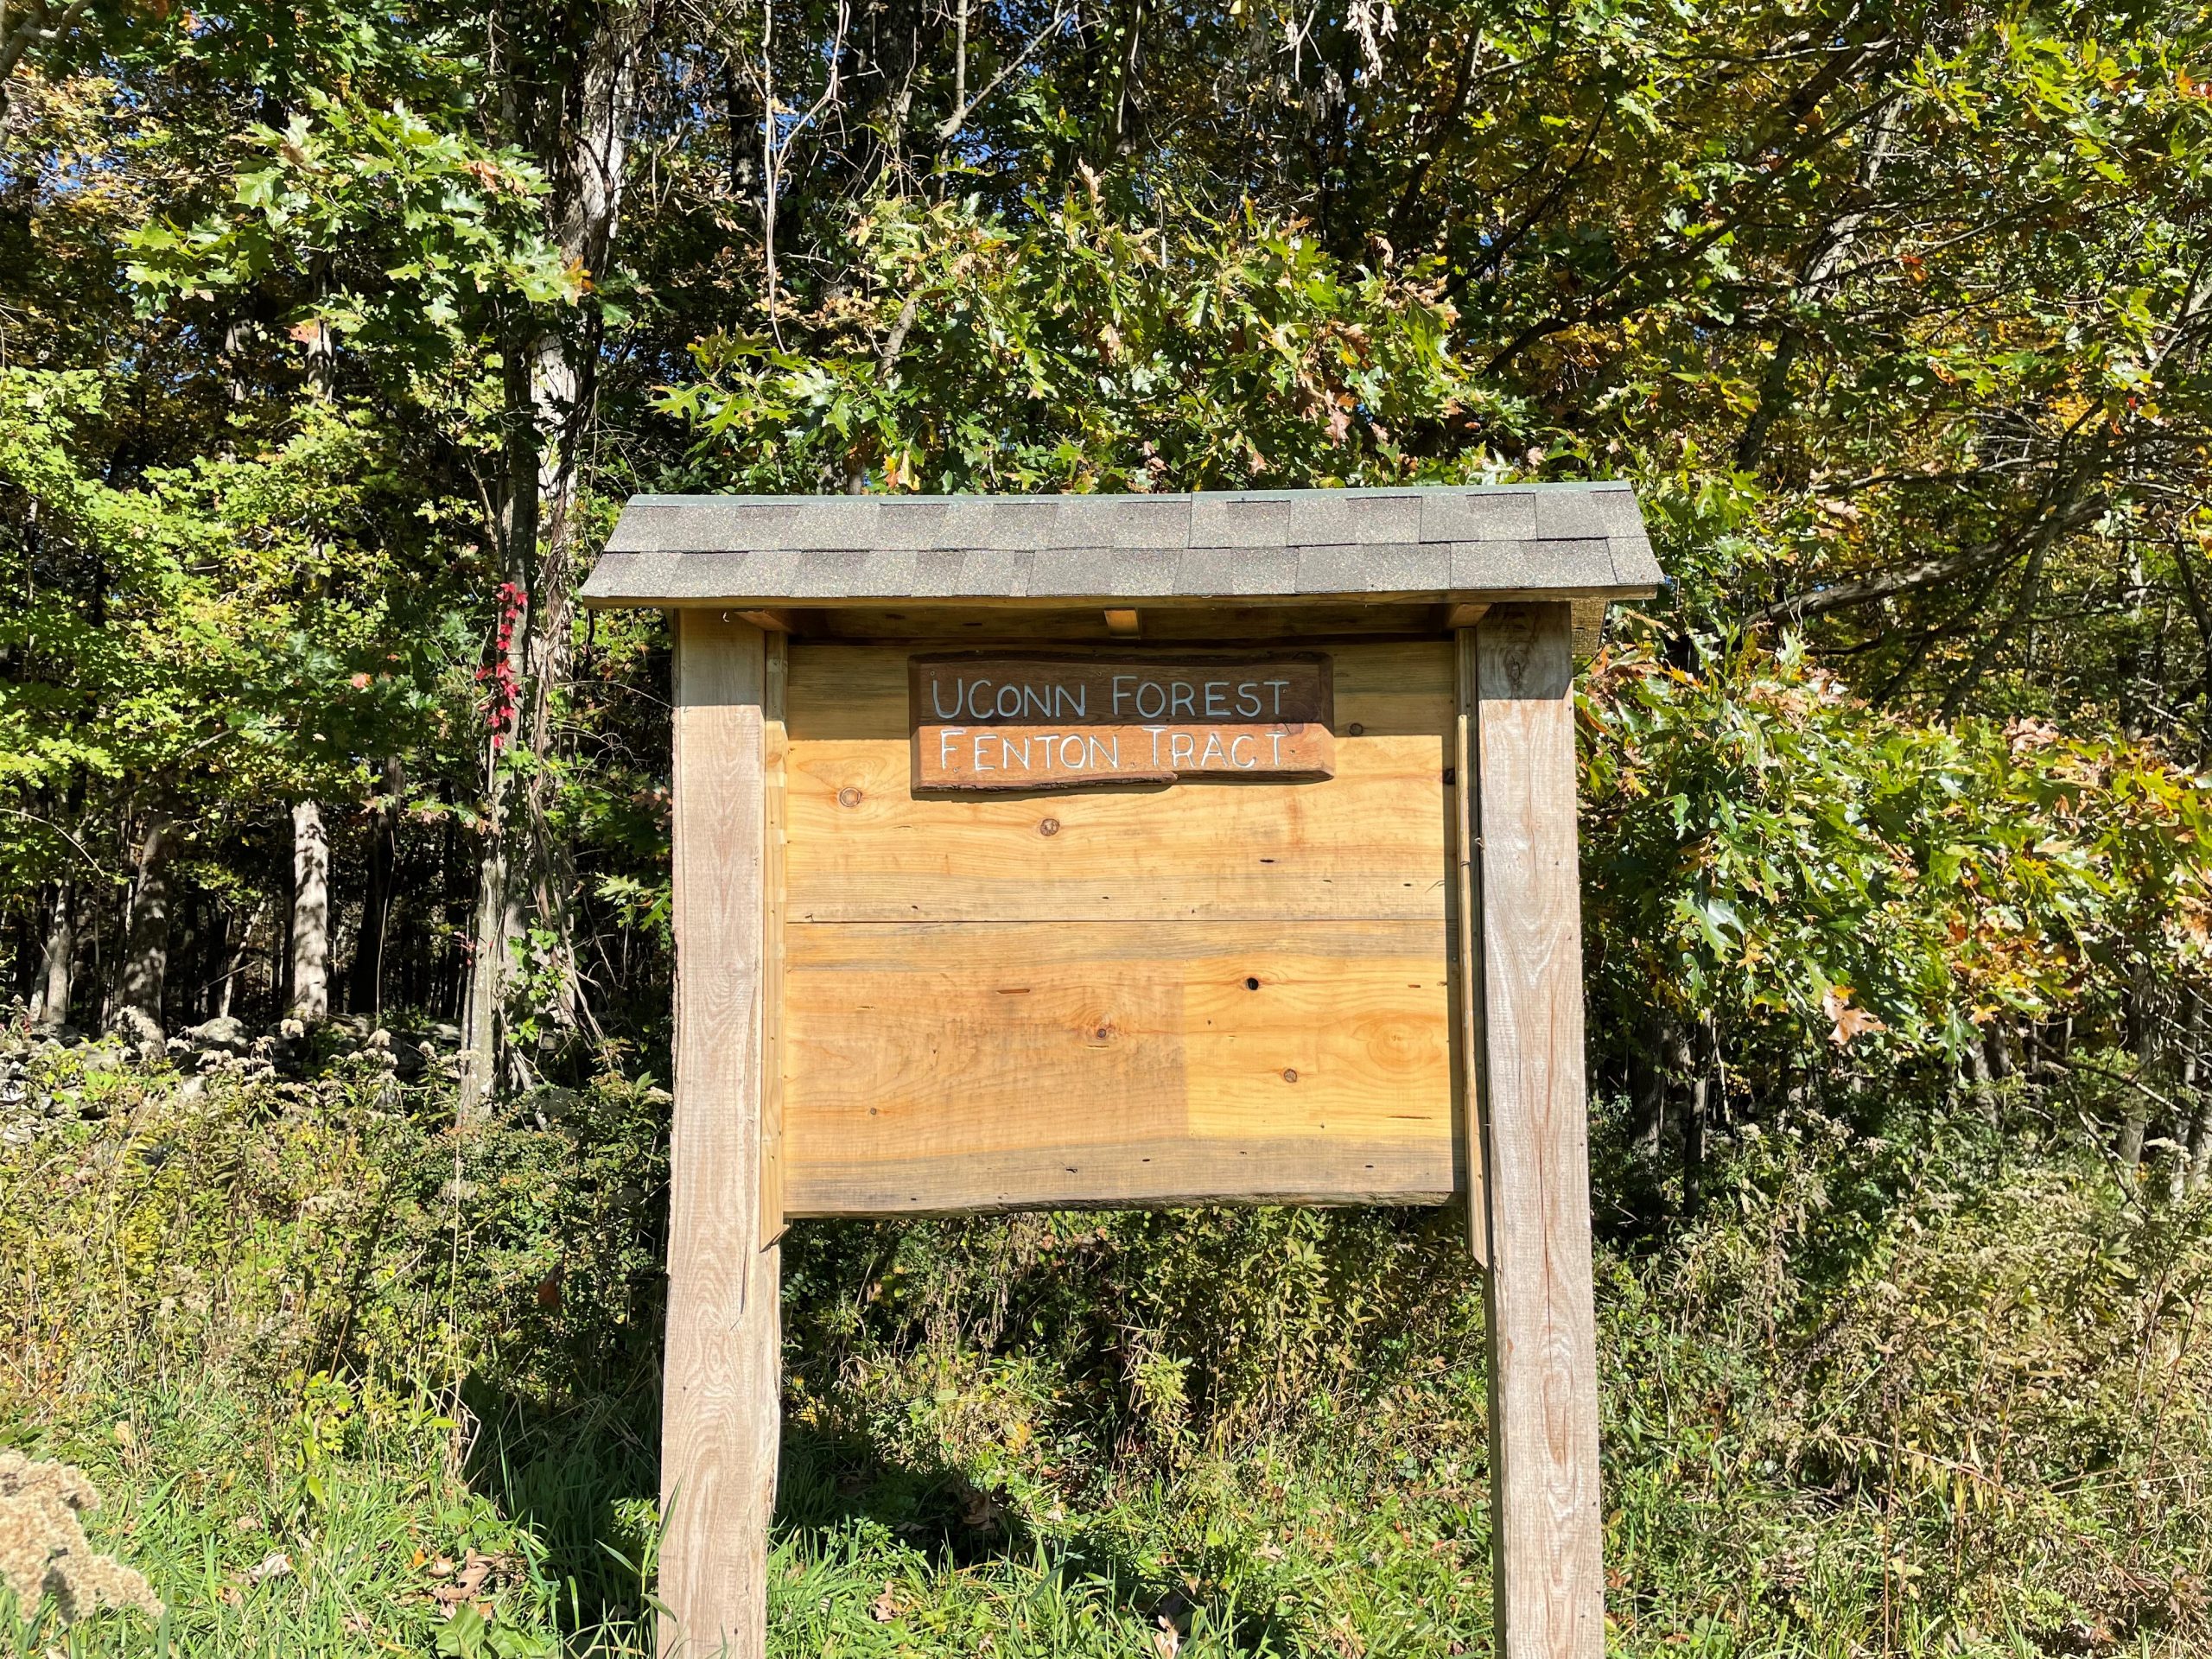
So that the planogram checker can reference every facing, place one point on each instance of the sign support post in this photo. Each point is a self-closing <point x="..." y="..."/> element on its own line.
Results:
<point x="722" y="1386"/>
<point x="1548" y="1583"/>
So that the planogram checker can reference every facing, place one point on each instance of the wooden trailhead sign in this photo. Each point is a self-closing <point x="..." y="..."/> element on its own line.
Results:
<point x="1052" y="852"/>
<point x="1069" y="723"/>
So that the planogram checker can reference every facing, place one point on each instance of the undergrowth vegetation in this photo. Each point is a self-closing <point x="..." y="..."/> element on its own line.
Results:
<point x="1915" y="1379"/>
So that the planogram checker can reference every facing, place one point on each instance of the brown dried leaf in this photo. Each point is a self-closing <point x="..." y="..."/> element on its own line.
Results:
<point x="1850" y="1021"/>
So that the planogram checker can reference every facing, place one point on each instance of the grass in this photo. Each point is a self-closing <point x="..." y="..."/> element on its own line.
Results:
<point x="351" y="1386"/>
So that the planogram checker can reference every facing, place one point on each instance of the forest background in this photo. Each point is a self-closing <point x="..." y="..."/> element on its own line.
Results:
<point x="331" y="338"/>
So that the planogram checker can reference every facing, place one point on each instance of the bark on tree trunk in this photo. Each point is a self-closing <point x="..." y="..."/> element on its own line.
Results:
<point x="2195" y="1084"/>
<point x="2128" y="1149"/>
<point x="1982" y="1085"/>
<point x="57" y="958"/>
<point x="310" y="956"/>
<point x="137" y="1016"/>
<point x="1998" y="1046"/>
<point x="1647" y="1085"/>
<point x="480" y="1024"/>
<point x="367" y="985"/>
<point x="549" y="391"/>
<point x="1681" y="1063"/>
<point x="2144" y="1012"/>
<point x="2196" y="1159"/>
<point x="235" y="965"/>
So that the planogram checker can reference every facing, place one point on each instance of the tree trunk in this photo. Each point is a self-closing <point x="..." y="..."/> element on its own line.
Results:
<point x="310" y="954"/>
<point x="1998" y="1047"/>
<point x="1982" y="1084"/>
<point x="549" y="393"/>
<point x="2193" y="1082"/>
<point x="137" y="1016"/>
<point x="366" y="985"/>
<point x="2145" y="1012"/>
<point x="240" y="934"/>
<point x="2133" y="1129"/>
<point x="57" y="959"/>
<point x="1647" y="1084"/>
<point x="480" y="1023"/>
<point x="1681" y="1063"/>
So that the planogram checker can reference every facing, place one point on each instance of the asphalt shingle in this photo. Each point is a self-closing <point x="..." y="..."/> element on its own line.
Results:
<point x="1585" y="541"/>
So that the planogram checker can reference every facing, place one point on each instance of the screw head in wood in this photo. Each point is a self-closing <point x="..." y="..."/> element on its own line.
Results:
<point x="1050" y="827"/>
<point x="1290" y="1074"/>
<point x="848" y="796"/>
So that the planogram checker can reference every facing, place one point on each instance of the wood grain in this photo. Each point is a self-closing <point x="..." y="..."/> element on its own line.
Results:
<point x="936" y="1068"/>
<point x="775" y="745"/>
<point x="1548" y="1577"/>
<point x="1467" y="981"/>
<point x="1369" y="843"/>
<point x="721" y="1385"/>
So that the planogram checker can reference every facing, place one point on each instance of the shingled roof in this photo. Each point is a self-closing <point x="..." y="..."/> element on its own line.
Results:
<point x="1557" y="541"/>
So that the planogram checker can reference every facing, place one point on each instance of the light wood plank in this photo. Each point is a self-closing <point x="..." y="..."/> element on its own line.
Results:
<point x="1548" y="1581"/>
<point x="956" y="1066"/>
<point x="1467" y="980"/>
<point x="721" y="1385"/>
<point x="1369" y="843"/>
<point x="775" y="745"/>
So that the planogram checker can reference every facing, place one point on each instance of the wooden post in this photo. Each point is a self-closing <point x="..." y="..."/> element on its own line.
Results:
<point x="1548" y="1580"/>
<point x="722" y="1386"/>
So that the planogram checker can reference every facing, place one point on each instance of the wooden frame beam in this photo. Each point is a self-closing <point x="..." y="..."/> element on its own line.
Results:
<point x="722" y="1384"/>
<point x="1466" y="945"/>
<point x="1548" y="1533"/>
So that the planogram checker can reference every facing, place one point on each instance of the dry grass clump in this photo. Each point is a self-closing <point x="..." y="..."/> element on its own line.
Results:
<point x="43" y="1550"/>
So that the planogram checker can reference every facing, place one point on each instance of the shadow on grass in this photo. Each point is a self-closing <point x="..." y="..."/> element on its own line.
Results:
<point x="828" y="1481"/>
<point x="581" y="1480"/>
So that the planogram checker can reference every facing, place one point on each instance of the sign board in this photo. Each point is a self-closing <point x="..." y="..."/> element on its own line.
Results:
<point x="1053" y="721"/>
<point x="938" y="956"/>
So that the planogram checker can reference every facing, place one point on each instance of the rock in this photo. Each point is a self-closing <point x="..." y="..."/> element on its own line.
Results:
<point x="223" y="1031"/>
<point x="353" y="1025"/>
<point x="446" y="1036"/>
<point x="58" y="1030"/>
<point x="106" y="1055"/>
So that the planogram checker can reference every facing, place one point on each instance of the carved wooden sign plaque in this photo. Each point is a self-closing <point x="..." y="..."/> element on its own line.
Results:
<point x="1043" y="722"/>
